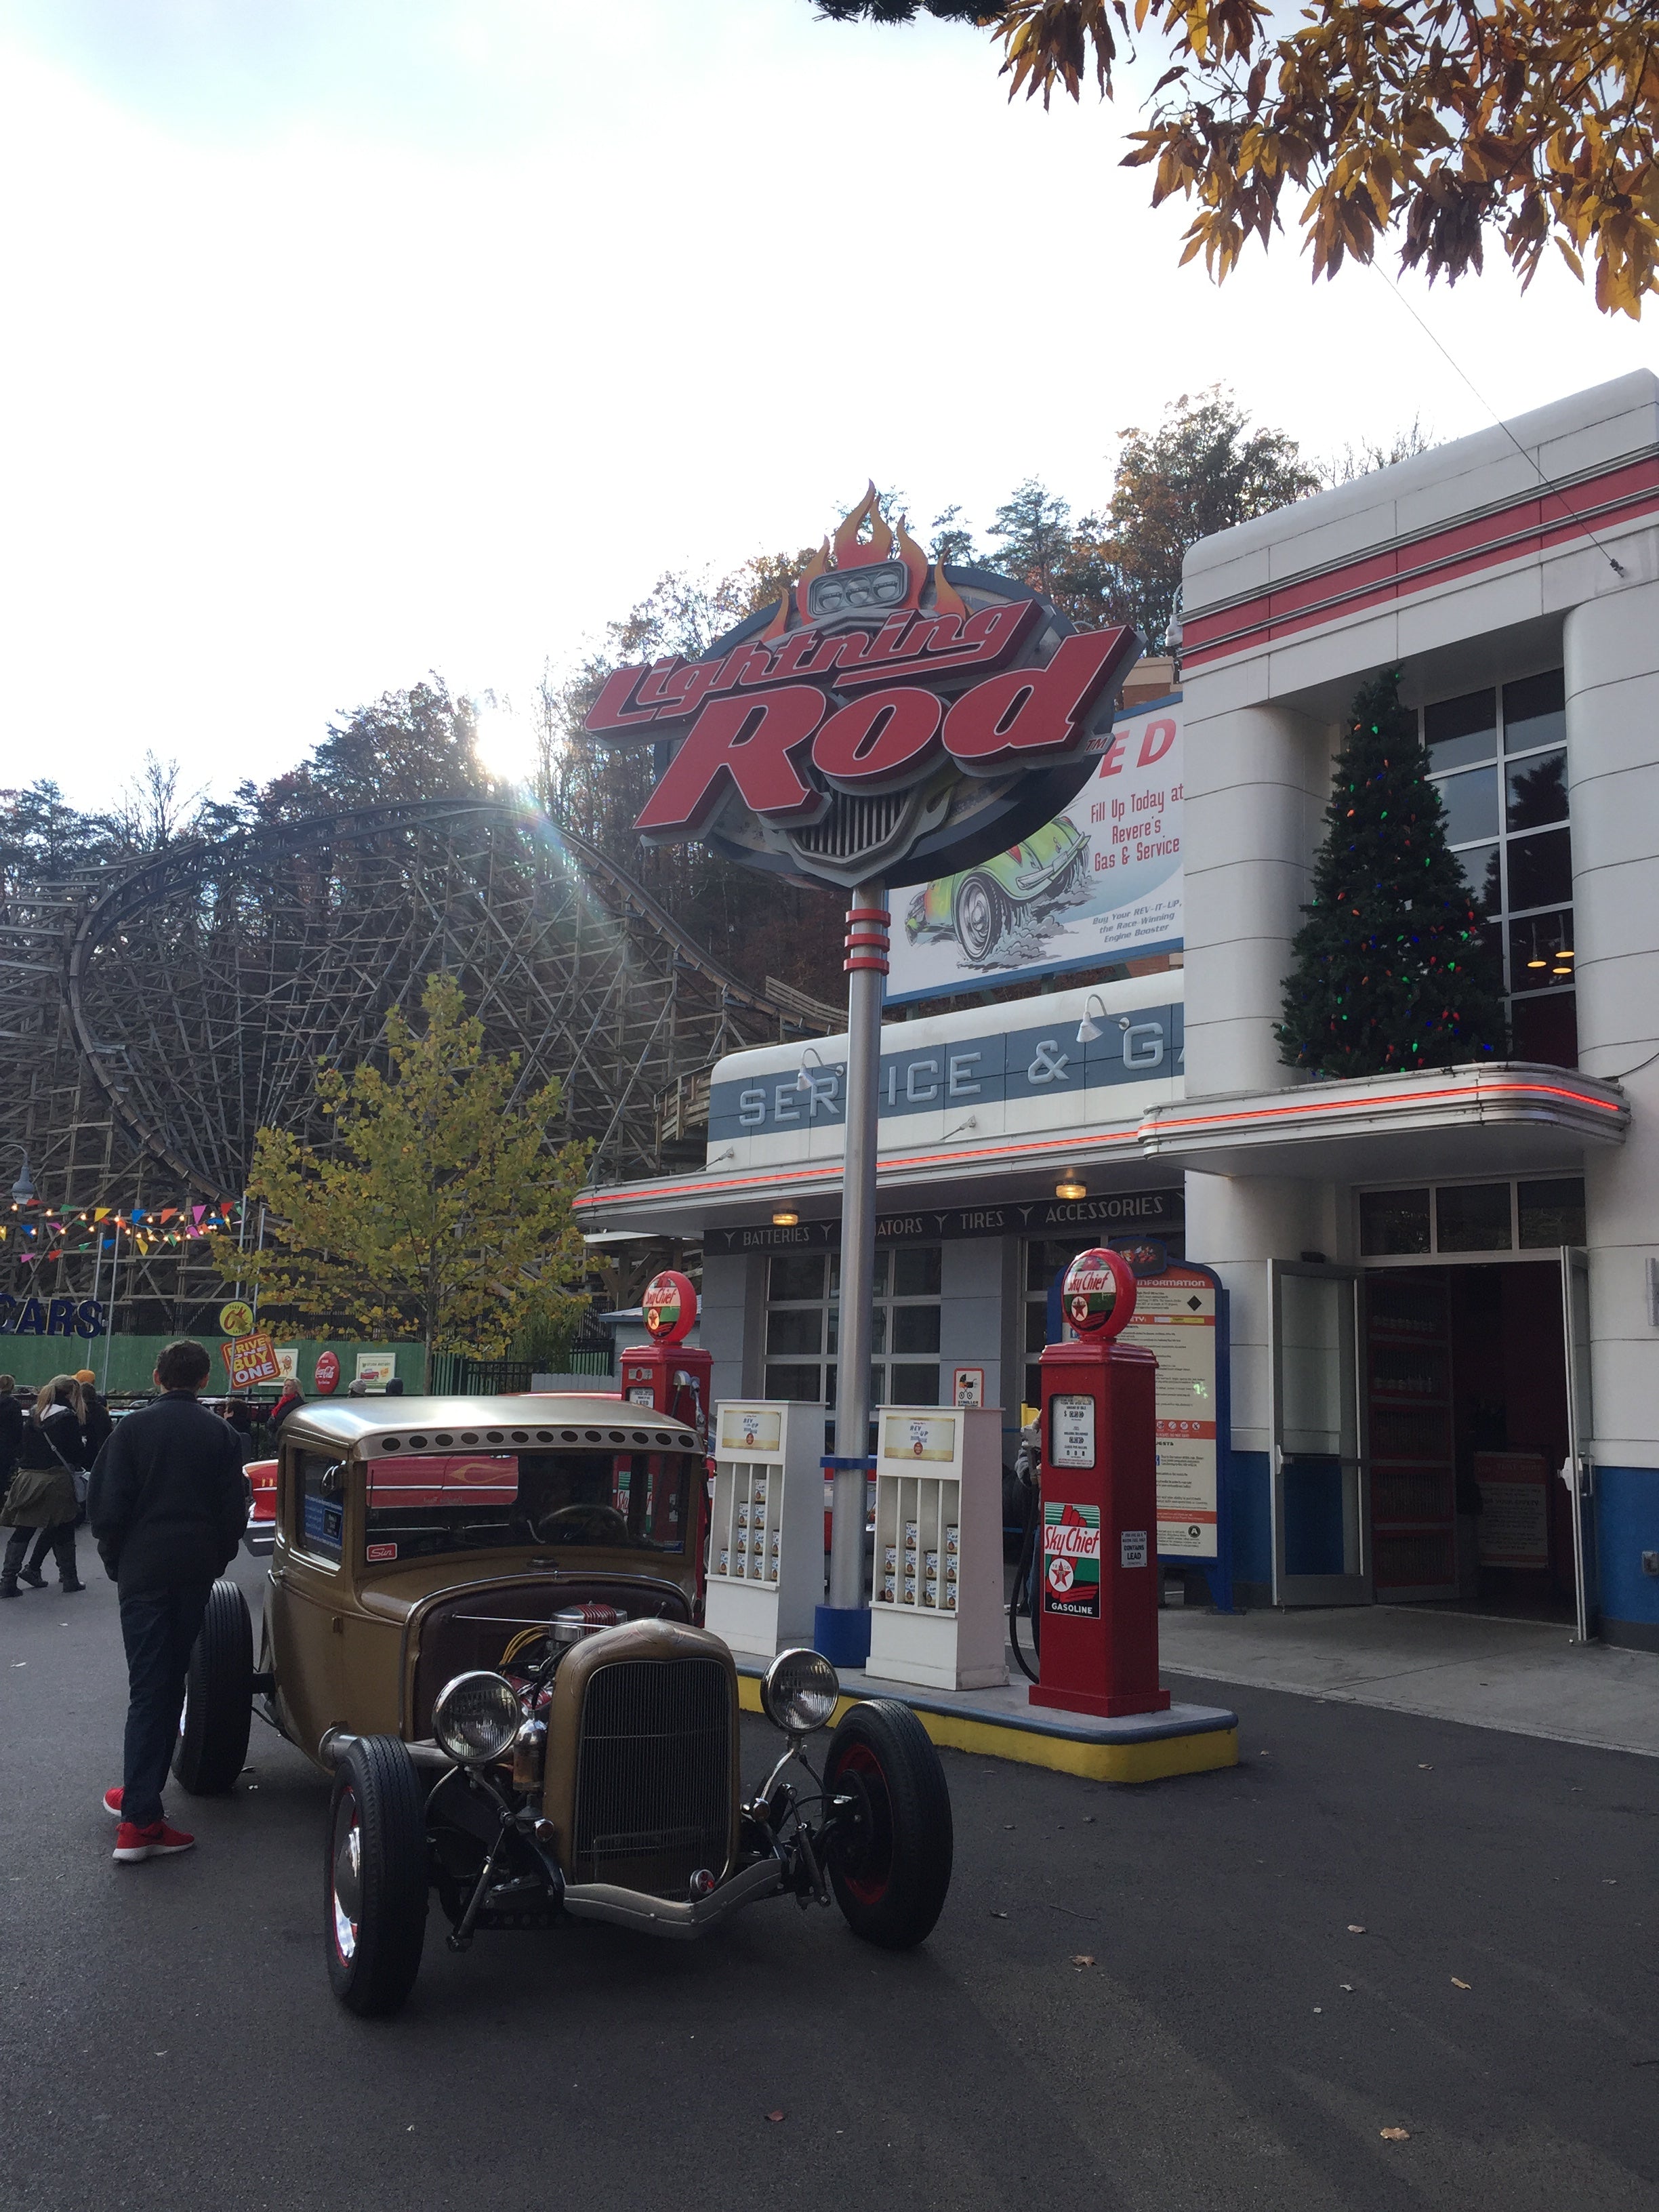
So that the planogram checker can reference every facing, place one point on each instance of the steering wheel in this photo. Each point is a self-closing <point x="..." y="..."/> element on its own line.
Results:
<point x="608" y="1525"/>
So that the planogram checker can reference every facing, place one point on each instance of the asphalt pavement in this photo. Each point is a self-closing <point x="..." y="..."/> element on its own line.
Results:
<point x="1224" y="1990"/>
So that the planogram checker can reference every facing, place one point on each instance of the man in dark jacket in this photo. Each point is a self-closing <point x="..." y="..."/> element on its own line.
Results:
<point x="167" y="1508"/>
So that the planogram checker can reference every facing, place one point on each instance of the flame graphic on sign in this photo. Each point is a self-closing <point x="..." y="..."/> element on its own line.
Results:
<point x="846" y="547"/>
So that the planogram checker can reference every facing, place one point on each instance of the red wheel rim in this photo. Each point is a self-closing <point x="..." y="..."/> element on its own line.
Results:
<point x="866" y="1874"/>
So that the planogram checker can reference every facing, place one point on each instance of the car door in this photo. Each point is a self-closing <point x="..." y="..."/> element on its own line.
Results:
<point x="309" y="1590"/>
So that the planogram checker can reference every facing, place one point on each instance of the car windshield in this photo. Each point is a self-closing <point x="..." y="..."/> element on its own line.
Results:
<point x="476" y="1501"/>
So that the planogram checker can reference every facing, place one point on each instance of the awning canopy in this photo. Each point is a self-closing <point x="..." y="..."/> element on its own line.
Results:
<point x="1514" y="1119"/>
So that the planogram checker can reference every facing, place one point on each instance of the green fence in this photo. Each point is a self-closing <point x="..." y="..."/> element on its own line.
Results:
<point x="124" y="1364"/>
<point x="129" y="1362"/>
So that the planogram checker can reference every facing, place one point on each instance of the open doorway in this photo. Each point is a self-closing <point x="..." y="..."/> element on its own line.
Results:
<point x="1467" y="1385"/>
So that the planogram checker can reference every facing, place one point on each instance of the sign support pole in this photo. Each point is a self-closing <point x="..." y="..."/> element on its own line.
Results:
<point x="114" y="1265"/>
<point x="842" y="1629"/>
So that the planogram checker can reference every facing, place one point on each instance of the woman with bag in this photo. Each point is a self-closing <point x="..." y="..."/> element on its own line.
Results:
<point x="49" y="1487"/>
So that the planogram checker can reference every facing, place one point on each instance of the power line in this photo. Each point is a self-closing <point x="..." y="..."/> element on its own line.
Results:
<point x="1531" y="460"/>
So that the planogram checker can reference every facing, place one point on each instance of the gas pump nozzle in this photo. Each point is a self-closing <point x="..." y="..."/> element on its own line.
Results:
<point x="699" y="1421"/>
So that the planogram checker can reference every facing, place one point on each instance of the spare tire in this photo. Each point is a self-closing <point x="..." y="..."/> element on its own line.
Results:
<point x="212" y="1746"/>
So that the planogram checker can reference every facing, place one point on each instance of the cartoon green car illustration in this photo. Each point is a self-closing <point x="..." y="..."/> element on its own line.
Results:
<point x="984" y="906"/>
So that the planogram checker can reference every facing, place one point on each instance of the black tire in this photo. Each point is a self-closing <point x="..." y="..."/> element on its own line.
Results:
<point x="891" y="1870"/>
<point x="374" y="1888"/>
<point x="212" y="1746"/>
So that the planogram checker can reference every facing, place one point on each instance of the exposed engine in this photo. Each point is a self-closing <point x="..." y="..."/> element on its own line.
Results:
<point x="530" y="1663"/>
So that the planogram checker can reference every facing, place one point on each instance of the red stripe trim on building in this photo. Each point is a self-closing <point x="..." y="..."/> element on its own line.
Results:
<point x="1158" y="1124"/>
<point x="1415" y="564"/>
<point x="1399" y="1098"/>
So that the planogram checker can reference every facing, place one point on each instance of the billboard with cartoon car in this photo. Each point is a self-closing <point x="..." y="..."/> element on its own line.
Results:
<point x="1100" y="884"/>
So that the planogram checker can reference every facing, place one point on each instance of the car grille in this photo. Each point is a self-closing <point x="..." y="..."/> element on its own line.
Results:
<point x="654" y="1774"/>
<point x="852" y="827"/>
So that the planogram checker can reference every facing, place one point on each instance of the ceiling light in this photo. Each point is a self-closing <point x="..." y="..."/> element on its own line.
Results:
<point x="784" y="1218"/>
<point x="1070" y="1185"/>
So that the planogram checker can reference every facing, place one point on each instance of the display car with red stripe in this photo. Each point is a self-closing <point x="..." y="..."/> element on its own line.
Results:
<point x="259" y="1537"/>
<point x="483" y="1621"/>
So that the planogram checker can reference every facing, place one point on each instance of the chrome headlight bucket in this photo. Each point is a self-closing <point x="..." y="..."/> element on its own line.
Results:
<point x="798" y="1691"/>
<point x="476" y="1716"/>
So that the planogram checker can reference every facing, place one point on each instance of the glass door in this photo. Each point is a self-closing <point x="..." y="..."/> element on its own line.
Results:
<point x="1321" y="1490"/>
<point x="1579" y="1472"/>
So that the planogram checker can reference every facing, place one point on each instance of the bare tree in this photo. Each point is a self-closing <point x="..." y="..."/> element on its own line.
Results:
<point x="154" y="809"/>
<point x="1359" y="460"/>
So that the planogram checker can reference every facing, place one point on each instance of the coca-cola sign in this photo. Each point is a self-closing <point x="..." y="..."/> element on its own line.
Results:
<point x="888" y="716"/>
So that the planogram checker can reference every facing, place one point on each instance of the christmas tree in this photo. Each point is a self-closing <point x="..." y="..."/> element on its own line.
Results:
<point x="1393" y="966"/>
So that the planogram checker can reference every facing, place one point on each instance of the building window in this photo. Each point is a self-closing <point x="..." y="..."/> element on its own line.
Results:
<point x="1499" y="760"/>
<point x="803" y="1293"/>
<point x="1472" y="1217"/>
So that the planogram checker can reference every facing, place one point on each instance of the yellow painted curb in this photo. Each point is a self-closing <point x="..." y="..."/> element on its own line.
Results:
<point x="1152" y="1759"/>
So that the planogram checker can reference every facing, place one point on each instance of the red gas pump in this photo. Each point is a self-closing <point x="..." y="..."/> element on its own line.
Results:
<point x="671" y="1376"/>
<point x="1098" y="1569"/>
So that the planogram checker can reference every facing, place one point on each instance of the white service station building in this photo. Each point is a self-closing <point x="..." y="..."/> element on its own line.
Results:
<point x="1443" y="1287"/>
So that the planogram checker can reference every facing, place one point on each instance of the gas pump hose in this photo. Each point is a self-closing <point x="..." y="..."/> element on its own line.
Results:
<point x="1022" y="1572"/>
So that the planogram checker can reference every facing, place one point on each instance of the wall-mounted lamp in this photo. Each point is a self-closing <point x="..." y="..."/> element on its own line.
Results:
<point x="1087" y="1029"/>
<point x="1070" y="1185"/>
<point x="784" y="1218"/>
<point x="803" y="1080"/>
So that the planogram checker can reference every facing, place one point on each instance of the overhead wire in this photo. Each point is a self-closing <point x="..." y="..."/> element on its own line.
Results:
<point x="1530" y="459"/>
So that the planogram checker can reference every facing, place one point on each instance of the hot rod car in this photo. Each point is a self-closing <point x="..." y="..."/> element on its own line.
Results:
<point x="982" y="906"/>
<point x="481" y="1621"/>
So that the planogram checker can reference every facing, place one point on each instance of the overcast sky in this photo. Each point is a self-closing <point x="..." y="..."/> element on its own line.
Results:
<point x="347" y="339"/>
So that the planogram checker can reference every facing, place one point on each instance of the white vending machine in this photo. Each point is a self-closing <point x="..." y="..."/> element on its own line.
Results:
<point x="936" y="1612"/>
<point x="766" y="1542"/>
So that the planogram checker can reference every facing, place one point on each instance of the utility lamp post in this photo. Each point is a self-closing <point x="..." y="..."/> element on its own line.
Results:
<point x="841" y="1628"/>
<point x="889" y="720"/>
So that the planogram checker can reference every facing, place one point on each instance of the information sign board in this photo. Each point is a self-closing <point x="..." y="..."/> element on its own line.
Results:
<point x="1175" y="1319"/>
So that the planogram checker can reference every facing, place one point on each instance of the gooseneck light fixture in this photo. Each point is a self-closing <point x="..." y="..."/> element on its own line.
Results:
<point x="803" y="1080"/>
<point x="1087" y="1029"/>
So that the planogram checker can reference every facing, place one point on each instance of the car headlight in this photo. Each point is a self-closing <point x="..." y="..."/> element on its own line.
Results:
<point x="476" y="1716"/>
<point x="798" y="1691"/>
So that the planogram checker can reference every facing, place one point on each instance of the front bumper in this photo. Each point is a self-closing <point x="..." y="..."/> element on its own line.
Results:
<point x="663" y="1916"/>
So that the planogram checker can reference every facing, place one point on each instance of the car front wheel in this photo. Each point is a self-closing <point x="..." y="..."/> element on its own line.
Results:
<point x="374" y="1877"/>
<point x="980" y="919"/>
<point x="212" y="1746"/>
<point x="890" y="1849"/>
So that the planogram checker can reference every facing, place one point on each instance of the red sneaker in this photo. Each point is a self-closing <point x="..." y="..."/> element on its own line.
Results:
<point x="157" y="1842"/>
<point x="112" y="1803"/>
